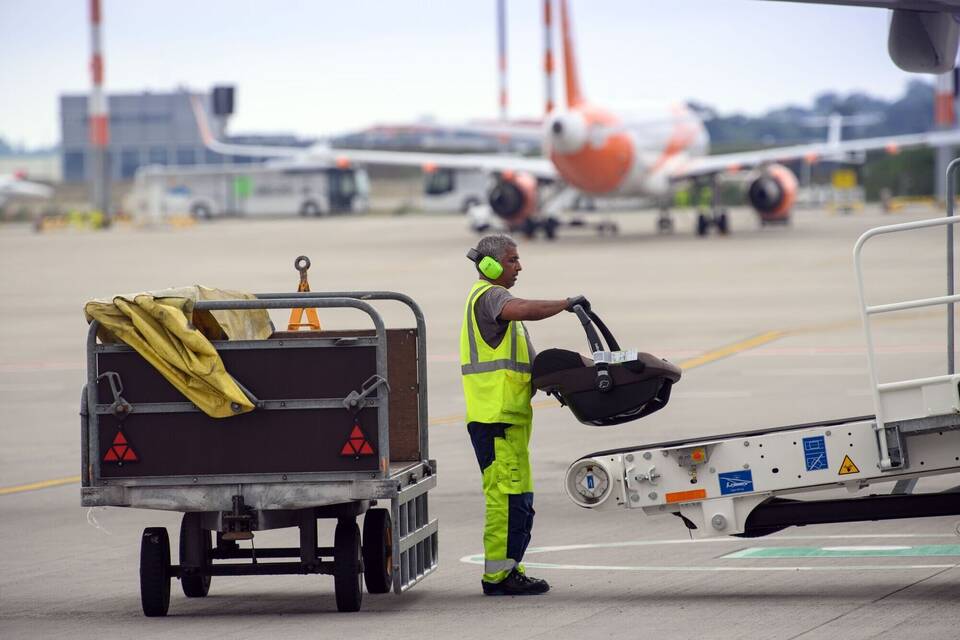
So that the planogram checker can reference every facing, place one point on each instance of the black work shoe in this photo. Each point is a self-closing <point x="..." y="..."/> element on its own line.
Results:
<point x="516" y="584"/>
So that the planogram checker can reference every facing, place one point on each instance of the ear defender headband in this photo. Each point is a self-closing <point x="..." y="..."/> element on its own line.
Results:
<point x="487" y="265"/>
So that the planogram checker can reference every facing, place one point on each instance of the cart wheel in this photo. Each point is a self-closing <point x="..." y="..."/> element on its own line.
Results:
<point x="347" y="578"/>
<point x="378" y="551"/>
<point x="155" y="571"/>
<point x="192" y="536"/>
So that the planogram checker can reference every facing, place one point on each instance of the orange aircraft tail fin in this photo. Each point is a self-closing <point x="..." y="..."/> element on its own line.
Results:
<point x="574" y="95"/>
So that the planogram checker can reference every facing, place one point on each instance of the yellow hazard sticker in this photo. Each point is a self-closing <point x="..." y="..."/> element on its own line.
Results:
<point x="848" y="467"/>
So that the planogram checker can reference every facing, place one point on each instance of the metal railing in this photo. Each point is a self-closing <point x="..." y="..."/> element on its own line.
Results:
<point x="867" y="311"/>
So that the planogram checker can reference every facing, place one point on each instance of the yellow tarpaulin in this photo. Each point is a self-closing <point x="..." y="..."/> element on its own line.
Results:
<point x="164" y="328"/>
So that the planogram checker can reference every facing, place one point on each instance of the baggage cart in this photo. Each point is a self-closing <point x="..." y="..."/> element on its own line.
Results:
<point x="339" y="430"/>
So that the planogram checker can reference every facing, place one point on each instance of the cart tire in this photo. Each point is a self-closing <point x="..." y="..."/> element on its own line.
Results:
<point x="155" y="571"/>
<point x="192" y="534"/>
<point x="378" y="551"/>
<point x="347" y="577"/>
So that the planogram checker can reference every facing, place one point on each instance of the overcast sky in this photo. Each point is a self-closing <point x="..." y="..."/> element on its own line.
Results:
<point x="314" y="67"/>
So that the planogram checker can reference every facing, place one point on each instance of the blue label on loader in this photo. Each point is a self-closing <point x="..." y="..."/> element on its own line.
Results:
<point x="815" y="453"/>
<point x="736" y="482"/>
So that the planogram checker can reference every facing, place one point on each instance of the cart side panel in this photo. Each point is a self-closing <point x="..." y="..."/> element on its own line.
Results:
<point x="402" y="375"/>
<point x="270" y="374"/>
<point x="280" y="441"/>
<point x="263" y="441"/>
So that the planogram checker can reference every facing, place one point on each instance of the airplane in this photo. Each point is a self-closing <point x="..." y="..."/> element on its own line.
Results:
<point x="16" y="184"/>
<point x="598" y="153"/>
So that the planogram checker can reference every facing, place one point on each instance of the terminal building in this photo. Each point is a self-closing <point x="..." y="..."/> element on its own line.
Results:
<point x="146" y="129"/>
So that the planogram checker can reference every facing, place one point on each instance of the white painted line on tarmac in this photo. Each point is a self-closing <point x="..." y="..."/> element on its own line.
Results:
<point x="478" y="559"/>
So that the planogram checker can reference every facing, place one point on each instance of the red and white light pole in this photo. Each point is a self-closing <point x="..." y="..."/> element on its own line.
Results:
<point x="502" y="55"/>
<point x="944" y="117"/>
<point x="99" y="118"/>
<point x="548" y="55"/>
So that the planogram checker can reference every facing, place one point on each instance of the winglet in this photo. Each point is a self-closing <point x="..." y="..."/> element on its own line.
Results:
<point x="574" y="96"/>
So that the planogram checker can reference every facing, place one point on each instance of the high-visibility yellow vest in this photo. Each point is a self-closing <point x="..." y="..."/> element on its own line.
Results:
<point x="496" y="381"/>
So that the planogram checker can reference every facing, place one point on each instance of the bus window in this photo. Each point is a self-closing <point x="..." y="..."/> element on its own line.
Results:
<point x="439" y="181"/>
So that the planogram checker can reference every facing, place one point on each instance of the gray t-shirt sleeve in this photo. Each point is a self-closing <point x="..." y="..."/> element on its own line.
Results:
<point x="493" y="328"/>
<point x="487" y="308"/>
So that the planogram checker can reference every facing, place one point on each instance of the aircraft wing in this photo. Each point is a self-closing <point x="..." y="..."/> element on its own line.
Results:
<point x="20" y="187"/>
<point x="491" y="163"/>
<point x="322" y="155"/>
<point x="731" y="162"/>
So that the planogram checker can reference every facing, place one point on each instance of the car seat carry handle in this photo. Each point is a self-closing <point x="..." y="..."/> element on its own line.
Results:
<point x="588" y="319"/>
<point x="612" y="343"/>
<point x="604" y="382"/>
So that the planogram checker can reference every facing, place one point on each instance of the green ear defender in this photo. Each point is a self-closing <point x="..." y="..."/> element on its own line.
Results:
<point x="488" y="266"/>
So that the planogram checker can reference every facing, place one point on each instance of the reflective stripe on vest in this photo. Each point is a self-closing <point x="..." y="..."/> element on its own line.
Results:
<point x="475" y="366"/>
<point x="496" y="380"/>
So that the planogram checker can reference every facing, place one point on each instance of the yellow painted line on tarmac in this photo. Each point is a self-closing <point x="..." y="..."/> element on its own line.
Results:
<point x="43" y="484"/>
<point x="732" y="349"/>
<point x="699" y="361"/>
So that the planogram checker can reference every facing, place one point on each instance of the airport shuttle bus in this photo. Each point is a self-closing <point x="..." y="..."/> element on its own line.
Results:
<point x="448" y="189"/>
<point x="210" y="191"/>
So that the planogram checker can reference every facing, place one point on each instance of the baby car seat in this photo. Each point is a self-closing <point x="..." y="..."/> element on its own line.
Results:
<point x="614" y="387"/>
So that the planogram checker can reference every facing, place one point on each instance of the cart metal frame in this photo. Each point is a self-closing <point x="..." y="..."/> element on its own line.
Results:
<point x="285" y="499"/>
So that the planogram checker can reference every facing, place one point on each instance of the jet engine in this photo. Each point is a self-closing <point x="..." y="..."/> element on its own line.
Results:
<point x="514" y="196"/>
<point x="772" y="192"/>
<point x="566" y="132"/>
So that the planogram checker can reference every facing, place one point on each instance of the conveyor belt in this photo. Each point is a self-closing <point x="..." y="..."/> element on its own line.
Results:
<point x="724" y="436"/>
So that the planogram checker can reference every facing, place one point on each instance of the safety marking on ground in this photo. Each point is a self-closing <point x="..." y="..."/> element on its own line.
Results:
<point x="478" y="559"/>
<point x="732" y="349"/>
<point x="43" y="484"/>
<point x="864" y="551"/>
<point x="847" y="467"/>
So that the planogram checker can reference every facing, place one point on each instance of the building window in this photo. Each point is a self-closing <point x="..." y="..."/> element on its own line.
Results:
<point x="73" y="169"/>
<point x="186" y="156"/>
<point x="129" y="162"/>
<point x="157" y="155"/>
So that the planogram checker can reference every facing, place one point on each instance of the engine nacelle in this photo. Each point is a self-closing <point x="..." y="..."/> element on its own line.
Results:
<point x="514" y="196"/>
<point x="773" y="192"/>
<point x="566" y="132"/>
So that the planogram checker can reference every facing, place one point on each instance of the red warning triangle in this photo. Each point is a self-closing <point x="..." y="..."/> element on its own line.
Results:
<point x="357" y="445"/>
<point x="120" y="451"/>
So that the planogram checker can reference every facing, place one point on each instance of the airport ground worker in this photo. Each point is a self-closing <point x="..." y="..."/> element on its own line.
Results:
<point x="495" y="358"/>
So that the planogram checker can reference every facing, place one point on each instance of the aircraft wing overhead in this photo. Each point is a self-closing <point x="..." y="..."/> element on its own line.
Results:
<point x="730" y="162"/>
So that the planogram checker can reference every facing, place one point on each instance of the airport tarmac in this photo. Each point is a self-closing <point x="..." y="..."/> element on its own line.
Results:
<point x="765" y="322"/>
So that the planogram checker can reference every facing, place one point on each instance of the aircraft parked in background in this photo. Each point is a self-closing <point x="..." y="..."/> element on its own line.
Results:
<point x="598" y="153"/>
<point x="16" y="184"/>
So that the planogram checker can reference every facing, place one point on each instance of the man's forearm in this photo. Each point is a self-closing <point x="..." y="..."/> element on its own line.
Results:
<point x="520" y="309"/>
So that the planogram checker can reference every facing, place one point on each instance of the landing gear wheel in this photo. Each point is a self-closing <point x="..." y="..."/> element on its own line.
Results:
<point x="550" y="228"/>
<point x="723" y="224"/>
<point x="155" y="571"/>
<point x="195" y="542"/>
<point x="529" y="229"/>
<point x="347" y="577"/>
<point x="378" y="551"/>
<point x="703" y="225"/>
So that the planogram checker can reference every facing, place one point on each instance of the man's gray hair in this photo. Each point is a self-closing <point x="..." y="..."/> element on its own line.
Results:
<point x="495" y="246"/>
